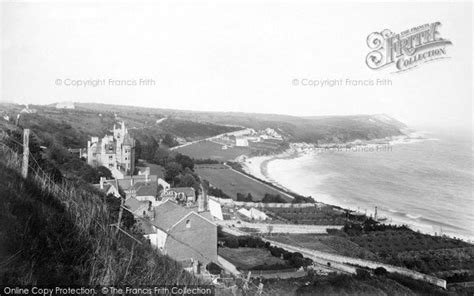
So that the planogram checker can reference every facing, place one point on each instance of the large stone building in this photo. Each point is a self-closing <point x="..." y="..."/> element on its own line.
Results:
<point x="115" y="152"/>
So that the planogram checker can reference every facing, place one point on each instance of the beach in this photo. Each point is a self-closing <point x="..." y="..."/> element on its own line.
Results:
<point x="414" y="181"/>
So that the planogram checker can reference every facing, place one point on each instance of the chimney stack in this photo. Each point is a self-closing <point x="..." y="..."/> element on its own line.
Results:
<point x="202" y="200"/>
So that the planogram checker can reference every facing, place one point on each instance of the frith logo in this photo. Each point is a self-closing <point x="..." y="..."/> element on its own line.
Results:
<point x="407" y="49"/>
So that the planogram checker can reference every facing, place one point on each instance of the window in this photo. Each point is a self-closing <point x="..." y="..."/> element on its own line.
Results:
<point x="110" y="157"/>
<point x="188" y="223"/>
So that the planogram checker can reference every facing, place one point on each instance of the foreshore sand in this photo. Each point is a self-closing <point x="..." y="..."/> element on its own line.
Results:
<point x="259" y="167"/>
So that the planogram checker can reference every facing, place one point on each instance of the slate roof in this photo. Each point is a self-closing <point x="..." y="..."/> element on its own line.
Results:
<point x="135" y="205"/>
<point x="146" y="189"/>
<point x="168" y="213"/>
<point x="125" y="182"/>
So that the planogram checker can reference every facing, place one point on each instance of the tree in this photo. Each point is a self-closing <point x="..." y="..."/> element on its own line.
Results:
<point x="241" y="197"/>
<point x="102" y="171"/>
<point x="213" y="268"/>
<point x="231" y="242"/>
<point x="249" y="197"/>
<point x="187" y="181"/>
<point x="161" y="156"/>
<point x="362" y="274"/>
<point x="169" y="140"/>
<point x="185" y="161"/>
<point x="269" y="198"/>
<point x="380" y="271"/>
<point x="173" y="169"/>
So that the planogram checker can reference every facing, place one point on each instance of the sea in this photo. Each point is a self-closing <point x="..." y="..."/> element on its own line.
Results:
<point x="425" y="183"/>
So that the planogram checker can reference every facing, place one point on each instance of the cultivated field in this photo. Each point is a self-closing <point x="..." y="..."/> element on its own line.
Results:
<point x="207" y="149"/>
<point x="325" y="243"/>
<point x="416" y="251"/>
<point x="394" y="242"/>
<point x="312" y="215"/>
<point x="248" y="258"/>
<point x="231" y="182"/>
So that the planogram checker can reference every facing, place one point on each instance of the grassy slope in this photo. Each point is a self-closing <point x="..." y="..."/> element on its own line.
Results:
<point x="197" y="125"/>
<point x="232" y="183"/>
<point x="298" y="129"/>
<point x="208" y="149"/>
<point x="73" y="128"/>
<point x="51" y="237"/>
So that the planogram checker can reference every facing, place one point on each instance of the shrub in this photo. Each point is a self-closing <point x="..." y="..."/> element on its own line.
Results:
<point x="380" y="271"/>
<point x="362" y="274"/>
<point x="231" y="242"/>
<point x="213" y="268"/>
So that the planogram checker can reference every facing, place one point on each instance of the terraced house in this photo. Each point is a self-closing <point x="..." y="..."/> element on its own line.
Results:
<point x="183" y="233"/>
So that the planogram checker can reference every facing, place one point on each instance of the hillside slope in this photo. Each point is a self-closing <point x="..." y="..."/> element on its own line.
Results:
<point x="314" y="129"/>
<point x="55" y="234"/>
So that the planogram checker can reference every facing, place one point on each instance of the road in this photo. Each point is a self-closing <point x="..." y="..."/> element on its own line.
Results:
<point x="197" y="141"/>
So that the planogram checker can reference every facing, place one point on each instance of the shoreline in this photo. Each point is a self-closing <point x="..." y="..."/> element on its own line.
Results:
<point x="258" y="167"/>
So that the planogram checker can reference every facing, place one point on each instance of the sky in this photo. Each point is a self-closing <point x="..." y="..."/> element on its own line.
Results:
<point x="249" y="56"/>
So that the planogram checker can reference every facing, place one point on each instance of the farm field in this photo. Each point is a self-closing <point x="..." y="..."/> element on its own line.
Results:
<point x="248" y="258"/>
<point x="314" y="215"/>
<point x="207" y="149"/>
<point x="421" y="252"/>
<point x="394" y="242"/>
<point x="406" y="248"/>
<point x="231" y="182"/>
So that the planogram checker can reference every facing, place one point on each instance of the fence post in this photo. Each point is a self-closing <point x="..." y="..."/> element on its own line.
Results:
<point x="26" y="152"/>
<point x="122" y="205"/>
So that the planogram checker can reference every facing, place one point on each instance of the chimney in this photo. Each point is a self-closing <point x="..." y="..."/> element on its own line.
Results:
<point x="201" y="200"/>
<point x="102" y="180"/>
<point x="131" y="181"/>
<point x="147" y="172"/>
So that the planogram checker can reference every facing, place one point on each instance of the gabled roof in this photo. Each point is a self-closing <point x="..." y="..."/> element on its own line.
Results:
<point x="167" y="214"/>
<point x="146" y="189"/>
<point x="125" y="183"/>
<point x="135" y="206"/>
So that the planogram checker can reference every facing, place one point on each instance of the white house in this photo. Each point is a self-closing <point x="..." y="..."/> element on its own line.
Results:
<point x="253" y="214"/>
<point x="241" y="142"/>
<point x="257" y="214"/>
<point x="215" y="209"/>
<point x="245" y="212"/>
